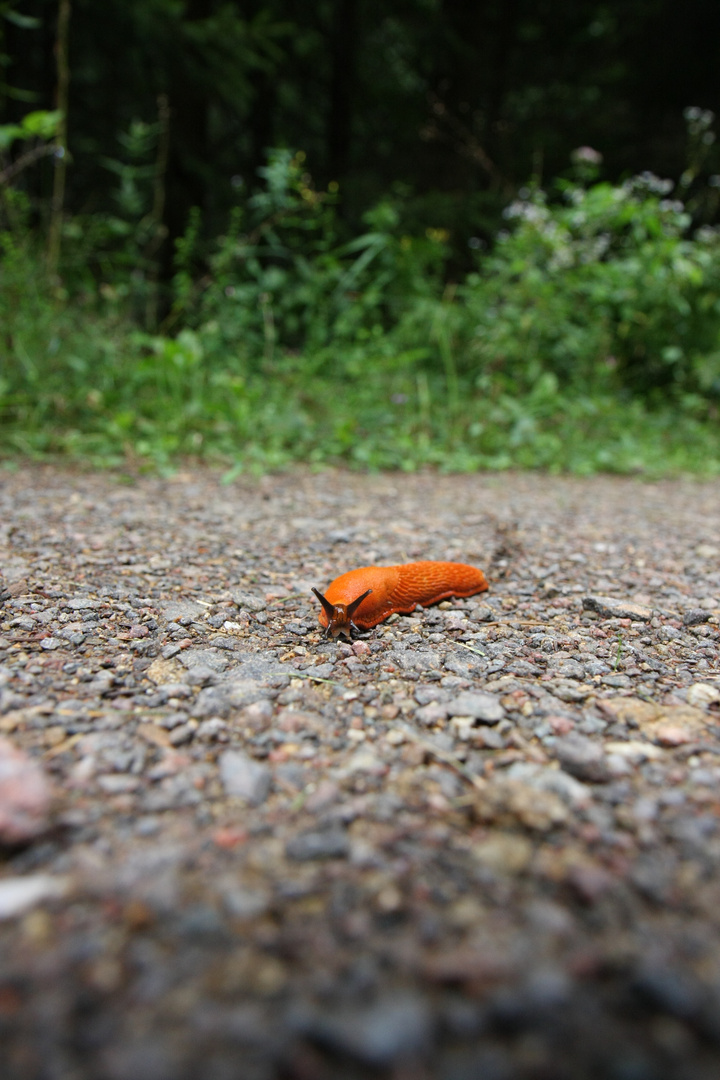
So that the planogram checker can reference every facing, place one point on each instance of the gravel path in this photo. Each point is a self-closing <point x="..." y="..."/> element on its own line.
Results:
<point x="480" y="843"/>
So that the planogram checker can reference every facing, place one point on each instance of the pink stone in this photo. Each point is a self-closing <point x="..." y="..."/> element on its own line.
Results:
<point x="590" y="881"/>
<point x="25" y="796"/>
<point x="672" y="735"/>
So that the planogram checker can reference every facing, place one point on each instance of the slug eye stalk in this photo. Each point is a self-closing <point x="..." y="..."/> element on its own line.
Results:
<point x="340" y="616"/>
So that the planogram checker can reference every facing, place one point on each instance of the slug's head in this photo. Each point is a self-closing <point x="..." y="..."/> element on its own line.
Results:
<point x="338" y="618"/>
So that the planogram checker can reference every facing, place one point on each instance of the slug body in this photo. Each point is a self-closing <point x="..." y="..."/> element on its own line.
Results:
<point x="363" y="598"/>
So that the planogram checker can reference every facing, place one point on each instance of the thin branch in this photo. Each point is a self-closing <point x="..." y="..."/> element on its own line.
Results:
<point x="63" y="83"/>
<point x="26" y="159"/>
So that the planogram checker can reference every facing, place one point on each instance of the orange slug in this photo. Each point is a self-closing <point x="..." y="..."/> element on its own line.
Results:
<point x="363" y="598"/>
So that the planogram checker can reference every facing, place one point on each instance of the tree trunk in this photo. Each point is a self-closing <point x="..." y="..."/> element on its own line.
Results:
<point x="188" y="146"/>
<point x="63" y="84"/>
<point x="343" y="43"/>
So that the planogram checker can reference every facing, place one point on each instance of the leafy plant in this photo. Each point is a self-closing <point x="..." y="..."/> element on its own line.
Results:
<point x="606" y="288"/>
<point x="40" y="124"/>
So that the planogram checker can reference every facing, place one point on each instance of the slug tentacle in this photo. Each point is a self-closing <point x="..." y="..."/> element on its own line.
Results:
<point x="339" y="617"/>
<point x="326" y="605"/>
<point x="352" y="608"/>
<point x="346" y="607"/>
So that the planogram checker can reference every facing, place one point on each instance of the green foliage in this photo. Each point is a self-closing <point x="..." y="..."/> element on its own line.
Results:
<point x="280" y="283"/>
<point x="39" y="124"/>
<point x="588" y="339"/>
<point x="606" y="289"/>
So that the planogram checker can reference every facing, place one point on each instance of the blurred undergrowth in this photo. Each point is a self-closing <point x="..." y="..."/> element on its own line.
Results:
<point x="586" y="338"/>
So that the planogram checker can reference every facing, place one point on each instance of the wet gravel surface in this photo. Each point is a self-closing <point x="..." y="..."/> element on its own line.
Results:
<point x="480" y="843"/>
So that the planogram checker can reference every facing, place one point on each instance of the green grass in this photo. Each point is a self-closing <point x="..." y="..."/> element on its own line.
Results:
<point x="93" y="389"/>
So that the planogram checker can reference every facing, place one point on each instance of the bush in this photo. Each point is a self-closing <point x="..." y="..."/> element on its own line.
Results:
<point x="606" y="289"/>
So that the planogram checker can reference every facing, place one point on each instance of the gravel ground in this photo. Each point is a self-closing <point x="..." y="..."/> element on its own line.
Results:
<point x="480" y="843"/>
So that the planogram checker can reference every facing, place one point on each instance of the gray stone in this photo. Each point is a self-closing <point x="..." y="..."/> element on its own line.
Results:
<point x="567" y="668"/>
<point x="491" y="738"/>
<point x="171" y="720"/>
<point x="182" y="609"/>
<point x="213" y="729"/>
<point x="226" y="642"/>
<point x="674" y="992"/>
<point x="204" y="658"/>
<point x="413" y="660"/>
<point x="596" y="667"/>
<point x="244" y="691"/>
<point x="483" y="613"/>
<point x="610" y="608"/>
<point x="291" y="774"/>
<point x="570" y="790"/>
<point x="118" y="783"/>
<point x="319" y="671"/>
<point x="244" y="778"/>
<point x="424" y="693"/>
<point x="244" y="903"/>
<point x="477" y="703"/>
<point x="463" y="666"/>
<point x="202" y="675"/>
<point x="247" y="601"/>
<point x="182" y="734"/>
<point x="249" y="665"/>
<point x="212" y="701"/>
<point x="582" y="757"/>
<point x="394" y="1028"/>
<point x="325" y="844"/>
<point x="166" y="691"/>
<point x="524" y="668"/>
<point x="622" y="682"/>
<point x="695" y="617"/>
<point x="432" y="713"/>
<point x="223" y="699"/>
<point x="570" y="690"/>
<point x="258" y="714"/>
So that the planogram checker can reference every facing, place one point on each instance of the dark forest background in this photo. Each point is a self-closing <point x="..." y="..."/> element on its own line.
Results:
<point x="488" y="228"/>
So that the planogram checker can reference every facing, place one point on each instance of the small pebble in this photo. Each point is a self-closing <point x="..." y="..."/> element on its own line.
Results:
<point x="244" y="778"/>
<point x="672" y="735"/>
<point x="481" y="706"/>
<point x="183" y="733"/>
<point x="505" y="853"/>
<point x="610" y="608"/>
<point x="214" y="729"/>
<point x="25" y="796"/>
<point x="581" y="757"/>
<point x="248" y="601"/>
<point x="328" y="844"/>
<point x="695" y="617"/>
<point x="702" y="695"/>
<point x="395" y="1028"/>
<point x="19" y="894"/>
<point x="118" y="783"/>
